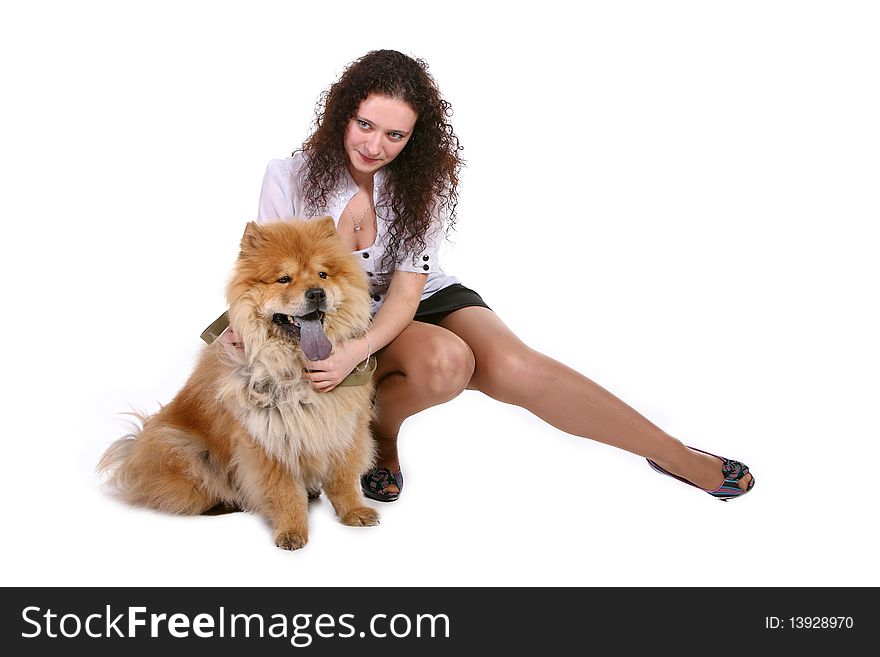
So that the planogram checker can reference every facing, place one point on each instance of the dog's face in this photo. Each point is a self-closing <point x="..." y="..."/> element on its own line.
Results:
<point x="295" y="281"/>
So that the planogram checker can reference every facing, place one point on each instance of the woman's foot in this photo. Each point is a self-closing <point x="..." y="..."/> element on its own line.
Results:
<point x="382" y="484"/>
<point x="390" y="483"/>
<point x="702" y="470"/>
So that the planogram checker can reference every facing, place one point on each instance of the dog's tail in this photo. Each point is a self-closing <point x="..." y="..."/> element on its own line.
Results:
<point x="162" y="466"/>
<point x="112" y="463"/>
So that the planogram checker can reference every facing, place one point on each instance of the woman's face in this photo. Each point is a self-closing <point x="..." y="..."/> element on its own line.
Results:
<point x="377" y="133"/>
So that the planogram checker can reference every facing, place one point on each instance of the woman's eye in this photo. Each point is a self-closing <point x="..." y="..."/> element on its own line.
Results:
<point x="284" y="280"/>
<point x="322" y="274"/>
<point x="363" y="124"/>
<point x="395" y="136"/>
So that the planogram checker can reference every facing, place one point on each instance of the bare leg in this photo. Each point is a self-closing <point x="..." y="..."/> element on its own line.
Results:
<point x="424" y="366"/>
<point x="508" y="370"/>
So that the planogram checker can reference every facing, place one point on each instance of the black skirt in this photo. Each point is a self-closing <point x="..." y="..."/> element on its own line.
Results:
<point x="455" y="297"/>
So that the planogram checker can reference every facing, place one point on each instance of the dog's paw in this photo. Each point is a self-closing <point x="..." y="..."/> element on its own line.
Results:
<point x="289" y="540"/>
<point x="362" y="516"/>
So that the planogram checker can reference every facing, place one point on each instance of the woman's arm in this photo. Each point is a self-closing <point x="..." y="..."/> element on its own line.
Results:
<point x="401" y="301"/>
<point x="276" y="196"/>
<point x="397" y="311"/>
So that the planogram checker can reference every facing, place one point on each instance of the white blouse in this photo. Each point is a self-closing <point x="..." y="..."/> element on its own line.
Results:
<point x="281" y="199"/>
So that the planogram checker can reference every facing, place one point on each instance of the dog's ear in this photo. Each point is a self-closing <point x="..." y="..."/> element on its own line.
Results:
<point x="326" y="227"/>
<point x="253" y="237"/>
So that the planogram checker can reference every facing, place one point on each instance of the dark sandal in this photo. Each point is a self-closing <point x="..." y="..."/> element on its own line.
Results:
<point x="733" y="471"/>
<point x="376" y="480"/>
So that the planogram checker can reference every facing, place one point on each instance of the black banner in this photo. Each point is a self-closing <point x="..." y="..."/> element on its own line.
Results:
<point x="432" y="621"/>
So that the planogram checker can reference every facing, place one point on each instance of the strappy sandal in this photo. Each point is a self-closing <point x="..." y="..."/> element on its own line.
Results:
<point x="375" y="481"/>
<point x="733" y="471"/>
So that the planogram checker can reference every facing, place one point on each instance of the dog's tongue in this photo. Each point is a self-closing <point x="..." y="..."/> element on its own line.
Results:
<point x="312" y="340"/>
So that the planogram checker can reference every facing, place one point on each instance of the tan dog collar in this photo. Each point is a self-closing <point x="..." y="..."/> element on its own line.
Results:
<point x="360" y="377"/>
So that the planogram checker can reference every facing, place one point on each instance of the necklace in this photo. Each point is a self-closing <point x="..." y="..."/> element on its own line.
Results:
<point x="357" y="222"/>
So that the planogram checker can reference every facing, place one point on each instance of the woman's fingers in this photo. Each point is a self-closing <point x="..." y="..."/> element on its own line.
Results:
<point x="324" y="386"/>
<point x="320" y="379"/>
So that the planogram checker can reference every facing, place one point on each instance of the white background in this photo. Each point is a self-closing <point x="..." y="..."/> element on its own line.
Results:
<point x="678" y="199"/>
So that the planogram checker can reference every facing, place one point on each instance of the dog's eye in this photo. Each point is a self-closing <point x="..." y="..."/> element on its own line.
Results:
<point x="283" y="280"/>
<point x="322" y="274"/>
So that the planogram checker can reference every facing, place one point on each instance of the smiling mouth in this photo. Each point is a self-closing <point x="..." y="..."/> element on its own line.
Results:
<point x="308" y="331"/>
<point x="292" y="325"/>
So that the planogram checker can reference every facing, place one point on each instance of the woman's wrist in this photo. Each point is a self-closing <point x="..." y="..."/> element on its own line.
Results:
<point x="367" y="351"/>
<point x="354" y="350"/>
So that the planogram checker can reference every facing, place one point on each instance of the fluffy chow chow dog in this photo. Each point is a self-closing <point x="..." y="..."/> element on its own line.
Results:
<point x="247" y="430"/>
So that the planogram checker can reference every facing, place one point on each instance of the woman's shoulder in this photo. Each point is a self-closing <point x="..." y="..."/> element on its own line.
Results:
<point x="289" y="166"/>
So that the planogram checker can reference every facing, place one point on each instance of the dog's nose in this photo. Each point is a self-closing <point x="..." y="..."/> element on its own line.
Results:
<point x="316" y="295"/>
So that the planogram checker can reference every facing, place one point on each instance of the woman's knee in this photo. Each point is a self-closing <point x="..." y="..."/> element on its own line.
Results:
<point x="445" y="367"/>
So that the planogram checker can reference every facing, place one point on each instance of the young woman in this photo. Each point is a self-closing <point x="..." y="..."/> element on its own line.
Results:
<point x="384" y="162"/>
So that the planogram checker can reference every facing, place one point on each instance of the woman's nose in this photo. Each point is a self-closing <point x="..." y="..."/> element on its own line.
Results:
<point x="374" y="143"/>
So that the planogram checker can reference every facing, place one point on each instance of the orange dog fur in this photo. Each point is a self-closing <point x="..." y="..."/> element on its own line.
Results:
<point x="247" y="430"/>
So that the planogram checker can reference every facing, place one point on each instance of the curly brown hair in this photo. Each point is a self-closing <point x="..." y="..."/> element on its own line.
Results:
<point x="423" y="175"/>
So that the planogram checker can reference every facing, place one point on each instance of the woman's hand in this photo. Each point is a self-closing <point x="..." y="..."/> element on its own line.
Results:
<point x="326" y="374"/>
<point x="230" y="339"/>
